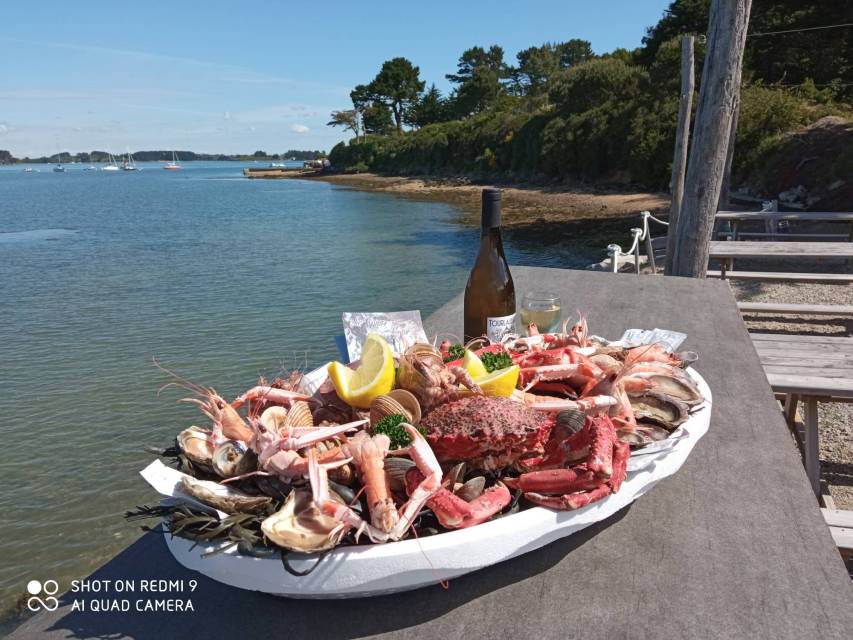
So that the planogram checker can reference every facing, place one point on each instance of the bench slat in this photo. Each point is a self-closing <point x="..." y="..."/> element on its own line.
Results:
<point x="773" y="276"/>
<point x="787" y="337"/>
<point x="838" y="518"/>
<point x="810" y="385"/>
<point x="796" y="309"/>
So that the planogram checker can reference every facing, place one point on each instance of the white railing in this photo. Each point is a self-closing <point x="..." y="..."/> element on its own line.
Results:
<point x="640" y="235"/>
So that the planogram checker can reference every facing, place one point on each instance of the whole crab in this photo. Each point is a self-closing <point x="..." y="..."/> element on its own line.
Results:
<point x="567" y="460"/>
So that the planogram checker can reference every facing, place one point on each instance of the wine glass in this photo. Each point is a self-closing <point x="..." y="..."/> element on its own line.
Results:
<point x="542" y="308"/>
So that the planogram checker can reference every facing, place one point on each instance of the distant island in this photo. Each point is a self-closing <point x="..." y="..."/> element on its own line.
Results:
<point x="84" y="157"/>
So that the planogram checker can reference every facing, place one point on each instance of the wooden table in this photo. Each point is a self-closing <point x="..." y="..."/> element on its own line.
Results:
<point x="808" y="369"/>
<point x="772" y="218"/>
<point x="726" y="251"/>
<point x="732" y="546"/>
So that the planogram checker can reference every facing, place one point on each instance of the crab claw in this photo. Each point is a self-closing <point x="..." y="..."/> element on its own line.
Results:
<point x="455" y="513"/>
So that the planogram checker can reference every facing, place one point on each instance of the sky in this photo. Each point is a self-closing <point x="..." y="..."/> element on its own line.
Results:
<point x="230" y="77"/>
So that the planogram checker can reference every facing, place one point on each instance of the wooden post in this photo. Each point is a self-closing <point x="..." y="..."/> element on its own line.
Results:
<point x="682" y="135"/>
<point x="725" y="190"/>
<point x="721" y="79"/>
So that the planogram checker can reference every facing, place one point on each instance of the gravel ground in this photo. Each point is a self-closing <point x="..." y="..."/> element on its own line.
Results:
<point x="835" y="419"/>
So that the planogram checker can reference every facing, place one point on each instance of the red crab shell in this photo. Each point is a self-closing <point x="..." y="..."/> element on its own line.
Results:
<point x="487" y="432"/>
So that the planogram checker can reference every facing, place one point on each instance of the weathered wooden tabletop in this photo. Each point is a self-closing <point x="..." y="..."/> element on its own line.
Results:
<point x="753" y="249"/>
<point x="732" y="546"/>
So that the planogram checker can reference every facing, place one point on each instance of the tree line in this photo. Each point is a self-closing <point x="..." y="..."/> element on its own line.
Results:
<point x="560" y="111"/>
<point x="85" y="157"/>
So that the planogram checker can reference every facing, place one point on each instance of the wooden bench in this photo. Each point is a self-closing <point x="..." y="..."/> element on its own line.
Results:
<point x="774" y="276"/>
<point x="807" y="369"/>
<point x="796" y="309"/>
<point x="840" y="525"/>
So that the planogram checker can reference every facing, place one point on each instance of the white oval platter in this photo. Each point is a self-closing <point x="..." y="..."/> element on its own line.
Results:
<point x="369" y="570"/>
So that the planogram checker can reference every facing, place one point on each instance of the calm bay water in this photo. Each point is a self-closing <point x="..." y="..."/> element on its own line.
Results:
<point x="218" y="277"/>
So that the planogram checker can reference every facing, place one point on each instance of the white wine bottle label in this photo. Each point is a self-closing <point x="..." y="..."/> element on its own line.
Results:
<point x="497" y="328"/>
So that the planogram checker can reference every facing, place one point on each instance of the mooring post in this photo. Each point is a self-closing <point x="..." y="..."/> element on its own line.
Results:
<point x="721" y="78"/>
<point x="682" y="136"/>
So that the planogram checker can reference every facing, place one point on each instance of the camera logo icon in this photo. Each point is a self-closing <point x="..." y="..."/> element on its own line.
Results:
<point x="36" y="602"/>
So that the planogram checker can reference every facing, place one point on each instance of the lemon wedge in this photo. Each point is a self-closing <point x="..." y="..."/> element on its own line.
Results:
<point x="499" y="383"/>
<point x="374" y="376"/>
<point x="473" y="365"/>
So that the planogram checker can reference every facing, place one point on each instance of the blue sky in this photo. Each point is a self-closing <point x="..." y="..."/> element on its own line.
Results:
<point x="225" y="76"/>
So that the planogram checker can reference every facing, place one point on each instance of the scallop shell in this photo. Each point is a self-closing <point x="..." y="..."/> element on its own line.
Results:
<point x="300" y="526"/>
<point x="383" y="406"/>
<point x="197" y="445"/>
<point x="299" y="415"/>
<point x="273" y="418"/>
<point x="409" y="402"/>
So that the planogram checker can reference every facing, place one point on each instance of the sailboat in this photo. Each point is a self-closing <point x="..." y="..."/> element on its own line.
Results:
<point x="128" y="164"/>
<point x="59" y="168"/>
<point x="112" y="166"/>
<point x="173" y="165"/>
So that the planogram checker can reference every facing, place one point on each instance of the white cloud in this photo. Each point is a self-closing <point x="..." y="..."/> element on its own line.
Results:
<point x="5" y="128"/>
<point x="299" y="128"/>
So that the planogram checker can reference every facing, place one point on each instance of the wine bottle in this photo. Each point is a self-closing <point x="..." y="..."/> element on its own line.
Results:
<point x="490" y="293"/>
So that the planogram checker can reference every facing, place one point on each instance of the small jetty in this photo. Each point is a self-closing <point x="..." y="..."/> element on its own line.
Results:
<point x="309" y="167"/>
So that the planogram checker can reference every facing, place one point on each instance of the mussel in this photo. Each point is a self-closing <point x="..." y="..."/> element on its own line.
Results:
<point x="300" y="526"/>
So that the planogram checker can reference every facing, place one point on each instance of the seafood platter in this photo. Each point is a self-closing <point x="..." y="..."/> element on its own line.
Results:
<point x="402" y="470"/>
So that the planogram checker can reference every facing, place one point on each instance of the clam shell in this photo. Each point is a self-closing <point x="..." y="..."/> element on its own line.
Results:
<point x="300" y="526"/>
<point x="571" y="419"/>
<point x="409" y="402"/>
<point x="395" y="472"/>
<point x="222" y="497"/>
<point x="472" y="489"/>
<point x="299" y="415"/>
<point x="233" y="458"/>
<point x="273" y="418"/>
<point x="383" y="406"/>
<point x="197" y="445"/>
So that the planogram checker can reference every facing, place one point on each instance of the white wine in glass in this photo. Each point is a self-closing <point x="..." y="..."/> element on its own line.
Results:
<point x="543" y="309"/>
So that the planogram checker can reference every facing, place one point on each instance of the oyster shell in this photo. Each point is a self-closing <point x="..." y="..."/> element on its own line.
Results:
<point x="222" y="497"/>
<point x="300" y="526"/>
<point x="659" y="408"/>
<point x="233" y="458"/>
<point x="681" y="388"/>
<point x="197" y="445"/>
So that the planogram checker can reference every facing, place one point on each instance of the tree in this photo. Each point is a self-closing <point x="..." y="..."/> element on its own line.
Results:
<point x="480" y="76"/>
<point x="348" y="119"/>
<point x="430" y="108"/>
<point x="574" y="52"/>
<point x="376" y="118"/>
<point x="397" y="86"/>
<point x="260" y="154"/>
<point x="538" y="65"/>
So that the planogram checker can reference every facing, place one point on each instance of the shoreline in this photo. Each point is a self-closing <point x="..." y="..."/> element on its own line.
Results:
<point x="524" y="205"/>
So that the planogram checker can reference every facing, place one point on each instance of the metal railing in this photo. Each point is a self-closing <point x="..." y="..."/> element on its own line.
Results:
<point x="614" y="251"/>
